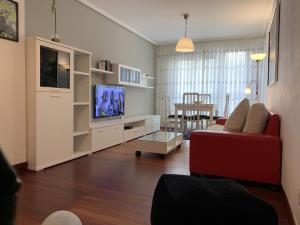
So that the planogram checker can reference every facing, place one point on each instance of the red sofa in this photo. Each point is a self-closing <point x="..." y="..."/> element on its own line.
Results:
<point x="253" y="157"/>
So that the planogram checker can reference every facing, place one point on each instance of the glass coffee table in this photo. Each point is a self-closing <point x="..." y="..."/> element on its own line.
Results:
<point x="160" y="142"/>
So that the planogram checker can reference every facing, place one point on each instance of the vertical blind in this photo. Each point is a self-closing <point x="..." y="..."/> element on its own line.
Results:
<point x="216" y="68"/>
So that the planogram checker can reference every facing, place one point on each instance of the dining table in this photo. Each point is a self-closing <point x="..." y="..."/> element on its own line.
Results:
<point x="197" y="106"/>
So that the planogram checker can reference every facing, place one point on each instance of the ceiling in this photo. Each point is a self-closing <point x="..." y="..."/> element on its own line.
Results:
<point x="161" y="21"/>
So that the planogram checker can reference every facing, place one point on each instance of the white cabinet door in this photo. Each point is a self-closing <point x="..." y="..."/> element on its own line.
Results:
<point x="106" y="137"/>
<point x="116" y="134"/>
<point x="54" y="125"/>
<point x="99" y="138"/>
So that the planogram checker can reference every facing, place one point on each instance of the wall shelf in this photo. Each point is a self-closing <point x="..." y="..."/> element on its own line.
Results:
<point x="80" y="103"/>
<point x="81" y="73"/>
<point x="78" y="133"/>
<point x="99" y="71"/>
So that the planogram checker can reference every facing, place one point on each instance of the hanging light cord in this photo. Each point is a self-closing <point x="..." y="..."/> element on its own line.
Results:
<point x="185" y="16"/>
<point x="185" y="28"/>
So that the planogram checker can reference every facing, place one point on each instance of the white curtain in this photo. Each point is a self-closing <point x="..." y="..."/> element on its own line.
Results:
<point x="217" y="68"/>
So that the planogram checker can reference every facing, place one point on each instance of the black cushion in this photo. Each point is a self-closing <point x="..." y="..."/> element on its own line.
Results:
<point x="180" y="200"/>
<point x="9" y="185"/>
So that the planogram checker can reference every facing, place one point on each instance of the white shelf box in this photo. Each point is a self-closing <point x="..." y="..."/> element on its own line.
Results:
<point x="147" y="81"/>
<point x="82" y="62"/>
<point x="82" y="143"/>
<point x="125" y="75"/>
<point x="81" y="88"/>
<point x="81" y="118"/>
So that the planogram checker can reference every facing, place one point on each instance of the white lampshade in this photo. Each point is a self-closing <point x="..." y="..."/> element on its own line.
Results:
<point x="258" y="56"/>
<point x="185" y="44"/>
<point x="248" y="90"/>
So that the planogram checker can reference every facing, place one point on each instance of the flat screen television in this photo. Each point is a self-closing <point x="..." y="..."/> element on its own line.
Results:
<point x="109" y="101"/>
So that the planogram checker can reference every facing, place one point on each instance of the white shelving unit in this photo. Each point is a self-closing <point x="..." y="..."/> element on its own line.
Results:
<point x="81" y="103"/>
<point x="58" y="117"/>
<point x="60" y="125"/>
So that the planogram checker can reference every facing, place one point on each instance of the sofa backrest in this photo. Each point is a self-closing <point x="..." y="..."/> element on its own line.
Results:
<point x="273" y="126"/>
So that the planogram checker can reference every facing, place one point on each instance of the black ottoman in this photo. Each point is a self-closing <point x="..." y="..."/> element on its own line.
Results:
<point x="185" y="200"/>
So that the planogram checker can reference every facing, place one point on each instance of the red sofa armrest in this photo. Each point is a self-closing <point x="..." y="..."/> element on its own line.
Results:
<point x="221" y="121"/>
<point x="254" y="157"/>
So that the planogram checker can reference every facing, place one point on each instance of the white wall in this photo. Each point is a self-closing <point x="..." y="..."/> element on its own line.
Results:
<point x="284" y="98"/>
<point x="101" y="36"/>
<point x="12" y="94"/>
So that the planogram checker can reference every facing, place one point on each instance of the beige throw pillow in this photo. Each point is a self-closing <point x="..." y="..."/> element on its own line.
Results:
<point x="257" y="119"/>
<point x="237" y="119"/>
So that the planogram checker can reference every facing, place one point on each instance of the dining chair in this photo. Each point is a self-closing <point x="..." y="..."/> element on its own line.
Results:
<point x="204" y="116"/>
<point x="226" y="106"/>
<point x="190" y="112"/>
<point x="225" y="112"/>
<point x="169" y="117"/>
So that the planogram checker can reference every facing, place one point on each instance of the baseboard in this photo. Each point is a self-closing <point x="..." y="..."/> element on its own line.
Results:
<point x="21" y="167"/>
<point x="289" y="206"/>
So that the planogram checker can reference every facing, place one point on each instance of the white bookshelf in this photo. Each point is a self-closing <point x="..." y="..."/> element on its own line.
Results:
<point x="81" y="103"/>
<point x="60" y="116"/>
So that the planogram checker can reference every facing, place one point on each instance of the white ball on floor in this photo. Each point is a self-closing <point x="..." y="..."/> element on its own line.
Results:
<point x="62" y="217"/>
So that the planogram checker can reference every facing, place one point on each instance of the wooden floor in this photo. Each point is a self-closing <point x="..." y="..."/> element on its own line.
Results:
<point x="110" y="187"/>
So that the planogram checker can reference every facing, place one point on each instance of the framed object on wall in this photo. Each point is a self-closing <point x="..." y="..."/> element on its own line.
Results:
<point x="274" y="47"/>
<point x="9" y="28"/>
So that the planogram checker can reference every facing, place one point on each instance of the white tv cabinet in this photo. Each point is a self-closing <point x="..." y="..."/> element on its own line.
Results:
<point x="59" y="120"/>
<point x="108" y="133"/>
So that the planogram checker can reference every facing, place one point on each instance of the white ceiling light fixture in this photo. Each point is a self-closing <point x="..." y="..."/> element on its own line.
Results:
<point x="185" y="44"/>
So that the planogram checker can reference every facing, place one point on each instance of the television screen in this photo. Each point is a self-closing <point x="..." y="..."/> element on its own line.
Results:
<point x="109" y="101"/>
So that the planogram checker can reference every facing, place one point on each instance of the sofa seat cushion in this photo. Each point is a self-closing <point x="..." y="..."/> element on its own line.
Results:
<point x="180" y="199"/>
<point x="237" y="119"/>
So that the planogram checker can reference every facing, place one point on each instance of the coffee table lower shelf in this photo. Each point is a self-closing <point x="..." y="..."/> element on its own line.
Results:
<point x="160" y="142"/>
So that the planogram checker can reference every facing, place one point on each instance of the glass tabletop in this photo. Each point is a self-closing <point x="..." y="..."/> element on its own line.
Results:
<point x="160" y="136"/>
